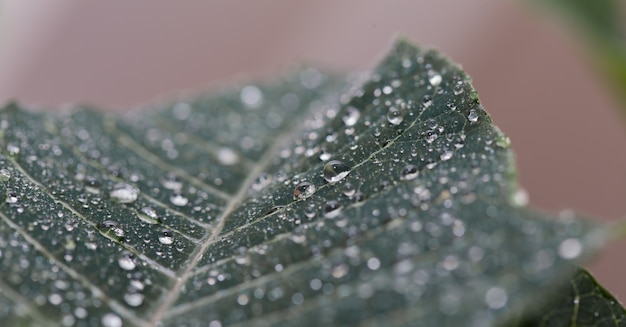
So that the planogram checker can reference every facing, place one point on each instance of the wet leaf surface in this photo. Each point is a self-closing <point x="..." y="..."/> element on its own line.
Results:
<point x="313" y="201"/>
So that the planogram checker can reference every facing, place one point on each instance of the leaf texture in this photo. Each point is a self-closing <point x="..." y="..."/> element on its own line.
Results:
<point x="314" y="201"/>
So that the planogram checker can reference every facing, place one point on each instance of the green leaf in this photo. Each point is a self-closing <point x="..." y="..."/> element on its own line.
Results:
<point x="313" y="201"/>
<point x="580" y="301"/>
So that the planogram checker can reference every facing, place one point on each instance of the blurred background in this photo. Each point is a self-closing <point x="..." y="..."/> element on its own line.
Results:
<point x="533" y="72"/>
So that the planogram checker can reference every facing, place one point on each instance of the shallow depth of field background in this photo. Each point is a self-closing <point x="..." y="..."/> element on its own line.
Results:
<point x="531" y="71"/>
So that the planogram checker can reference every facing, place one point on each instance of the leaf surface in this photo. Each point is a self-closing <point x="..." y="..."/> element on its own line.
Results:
<point x="313" y="201"/>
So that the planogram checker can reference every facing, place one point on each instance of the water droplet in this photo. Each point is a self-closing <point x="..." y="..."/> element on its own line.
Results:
<point x="472" y="116"/>
<point x="310" y="211"/>
<point x="178" y="200"/>
<point x="12" y="198"/>
<point x="5" y="175"/>
<point x="325" y="155"/>
<point x="127" y="261"/>
<point x="261" y="182"/>
<point x="446" y="155"/>
<point x="227" y="157"/>
<point x="133" y="298"/>
<point x="335" y="171"/>
<point x="349" y="189"/>
<point x="409" y="172"/>
<point x="434" y="78"/>
<point x="13" y="149"/>
<point x="171" y="182"/>
<point x="351" y="116"/>
<point x="149" y="215"/>
<point x="496" y="298"/>
<point x="458" y="89"/>
<point x="111" y="320"/>
<point x="427" y="101"/>
<point x="304" y="190"/>
<point x="332" y="209"/>
<point x="251" y="96"/>
<point x="92" y="185"/>
<point x="112" y="230"/>
<point x="394" y="116"/>
<point x="520" y="197"/>
<point x="570" y="248"/>
<point x="124" y="193"/>
<point x="166" y="237"/>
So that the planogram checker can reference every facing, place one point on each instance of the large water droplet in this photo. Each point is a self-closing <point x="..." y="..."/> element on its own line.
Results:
<point x="335" y="171"/>
<point x="332" y="209"/>
<point x="166" y="237"/>
<point x="124" y="193"/>
<point x="178" y="200"/>
<point x="304" y="190"/>
<point x="127" y="261"/>
<point x="409" y="172"/>
<point x="112" y="230"/>
<point x="351" y="116"/>
<point x="395" y="116"/>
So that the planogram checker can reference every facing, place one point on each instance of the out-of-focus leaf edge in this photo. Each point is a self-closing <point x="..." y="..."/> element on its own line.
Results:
<point x="603" y="26"/>
<point x="578" y="301"/>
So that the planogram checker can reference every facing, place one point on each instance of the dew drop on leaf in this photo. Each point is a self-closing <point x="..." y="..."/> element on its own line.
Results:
<point x="171" y="182"/>
<point x="332" y="209"/>
<point x="394" y="116"/>
<point x="112" y="230"/>
<point x="127" y="261"/>
<point x="472" y="116"/>
<point x="261" y="182"/>
<point x="434" y="78"/>
<point x="12" y="198"/>
<point x="351" y="116"/>
<point x="92" y="185"/>
<point x="123" y="193"/>
<point x="446" y="155"/>
<point x="570" y="248"/>
<point x="13" y="150"/>
<point x="304" y="190"/>
<point x="149" y="215"/>
<point x="166" y="237"/>
<point x="409" y="172"/>
<point x="227" y="157"/>
<point x="251" y="96"/>
<point x="325" y="155"/>
<point x="496" y="298"/>
<point x="349" y="189"/>
<point x="179" y="200"/>
<point x="111" y="320"/>
<point x="335" y="171"/>
<point x="5" y="175"/>
<point x="133" y="298"/>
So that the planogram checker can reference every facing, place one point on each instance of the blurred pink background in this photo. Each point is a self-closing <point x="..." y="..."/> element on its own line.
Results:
<point x="532" y="73"/>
